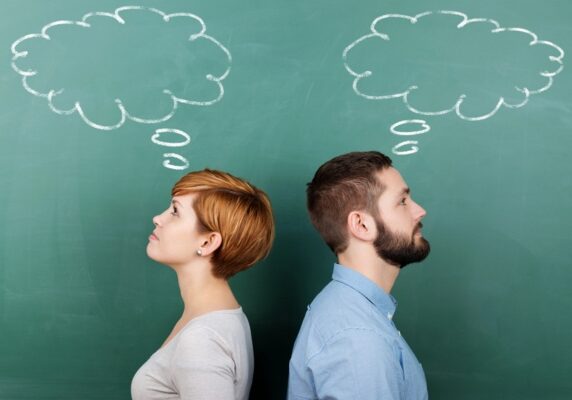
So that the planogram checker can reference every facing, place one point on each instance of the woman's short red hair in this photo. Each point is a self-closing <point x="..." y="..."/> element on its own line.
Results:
<point x="239" y="211"/>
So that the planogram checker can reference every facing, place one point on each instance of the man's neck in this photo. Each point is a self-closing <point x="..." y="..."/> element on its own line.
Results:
<point x="369" y="264"/>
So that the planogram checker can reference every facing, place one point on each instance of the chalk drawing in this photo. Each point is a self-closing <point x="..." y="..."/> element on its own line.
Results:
<point x="186" y="140"/>
<point x="88" y="22"/>
<point x="413" y="127"/>
<point x="158" y="132"/>
<point x="167" y="163"/>
<point x="380" y="37"/>
<point x="526" y="92"/>
<point x="418" y="127"/>
<point x="414" y="149"/>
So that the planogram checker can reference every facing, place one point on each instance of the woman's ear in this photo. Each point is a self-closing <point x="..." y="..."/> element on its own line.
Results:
<point x="211" y="242"/>
<point x="361" y="225"/>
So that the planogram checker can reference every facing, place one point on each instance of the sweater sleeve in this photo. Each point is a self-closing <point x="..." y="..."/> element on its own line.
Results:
<point x="203" y="367"/>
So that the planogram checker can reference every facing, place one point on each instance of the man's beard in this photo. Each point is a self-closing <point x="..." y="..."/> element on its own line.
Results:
<point x="397" y="249"/>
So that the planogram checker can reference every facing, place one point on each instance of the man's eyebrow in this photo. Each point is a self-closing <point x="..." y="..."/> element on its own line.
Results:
<point x="405" y="190"/>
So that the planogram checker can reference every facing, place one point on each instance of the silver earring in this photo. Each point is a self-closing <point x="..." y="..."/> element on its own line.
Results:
<point x="199" y="252"/>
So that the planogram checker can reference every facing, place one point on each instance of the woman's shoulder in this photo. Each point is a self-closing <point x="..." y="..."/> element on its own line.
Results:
<point x="225" y="319"/>
<point x="224" y="327"/>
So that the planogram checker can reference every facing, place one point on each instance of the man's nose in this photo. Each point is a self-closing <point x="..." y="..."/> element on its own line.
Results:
<point x="419" y="212"/>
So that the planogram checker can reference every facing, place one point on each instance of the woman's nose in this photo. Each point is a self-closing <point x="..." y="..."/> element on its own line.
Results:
<point x="156" y="221"/>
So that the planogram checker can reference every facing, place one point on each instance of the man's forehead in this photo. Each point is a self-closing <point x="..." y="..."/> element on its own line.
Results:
<point x="392" y="181"/>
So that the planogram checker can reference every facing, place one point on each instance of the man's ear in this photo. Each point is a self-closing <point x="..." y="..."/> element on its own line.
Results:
<point x="211" y="242"/>
<point x="361" y="225"/>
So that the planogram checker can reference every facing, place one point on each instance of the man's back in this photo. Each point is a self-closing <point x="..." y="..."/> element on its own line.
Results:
<point x="349" y="348"/>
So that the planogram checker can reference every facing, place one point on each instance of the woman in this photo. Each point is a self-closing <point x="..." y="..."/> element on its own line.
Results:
<point x="217" y="225"/>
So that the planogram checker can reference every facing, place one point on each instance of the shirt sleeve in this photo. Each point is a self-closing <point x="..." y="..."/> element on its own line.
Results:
<point x="203" y="367"/>
<point x="358" y="364"/>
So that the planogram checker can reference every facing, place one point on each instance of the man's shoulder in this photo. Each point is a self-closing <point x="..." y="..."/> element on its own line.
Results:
<point x="336" y="297"/>
<point x="340" y="314"/>
<point x="339" y="307"/>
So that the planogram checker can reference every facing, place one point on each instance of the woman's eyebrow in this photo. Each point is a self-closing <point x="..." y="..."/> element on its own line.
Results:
<point x="178" y="203"/>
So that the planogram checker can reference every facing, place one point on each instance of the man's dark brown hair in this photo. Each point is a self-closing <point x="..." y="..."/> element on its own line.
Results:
<point x="345" y="183"/>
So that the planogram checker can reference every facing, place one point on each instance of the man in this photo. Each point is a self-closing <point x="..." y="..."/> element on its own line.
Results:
<point x="348" y="346"/>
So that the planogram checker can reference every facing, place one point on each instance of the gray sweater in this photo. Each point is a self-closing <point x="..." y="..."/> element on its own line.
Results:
<point x="210" y="358"/>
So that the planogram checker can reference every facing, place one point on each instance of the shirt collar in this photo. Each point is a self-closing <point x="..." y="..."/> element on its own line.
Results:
<point x="384" y="302"/>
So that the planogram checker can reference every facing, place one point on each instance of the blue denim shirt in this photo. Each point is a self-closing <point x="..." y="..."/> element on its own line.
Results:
<point x="349" y="348"/>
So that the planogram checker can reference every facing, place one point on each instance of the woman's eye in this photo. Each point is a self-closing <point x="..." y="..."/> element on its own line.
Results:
<point x="174" y="212"/>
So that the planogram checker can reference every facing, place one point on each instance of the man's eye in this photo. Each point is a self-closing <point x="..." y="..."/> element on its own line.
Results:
<point x="403" y="201"/>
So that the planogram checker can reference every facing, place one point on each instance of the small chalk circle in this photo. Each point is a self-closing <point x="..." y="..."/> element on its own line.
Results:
<point x="167" y="163"/>
<point x="413" y="127"/>
<point x="158" y="132"/>
<point x="397" y="148"/>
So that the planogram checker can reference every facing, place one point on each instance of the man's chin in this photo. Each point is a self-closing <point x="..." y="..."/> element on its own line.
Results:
<point x="425" y="248"/>
<point x="418" y="239"/>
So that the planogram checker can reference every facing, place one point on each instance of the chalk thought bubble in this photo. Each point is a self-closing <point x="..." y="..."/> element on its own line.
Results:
<point x="137" y="64"/>
<point x="442" y="62"/>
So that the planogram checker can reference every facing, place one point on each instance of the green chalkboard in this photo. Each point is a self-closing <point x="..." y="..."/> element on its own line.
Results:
<point x="102" y="108"/>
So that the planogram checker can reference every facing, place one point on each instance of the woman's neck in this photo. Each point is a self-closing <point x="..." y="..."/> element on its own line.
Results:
<point x="202" y="292"/>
